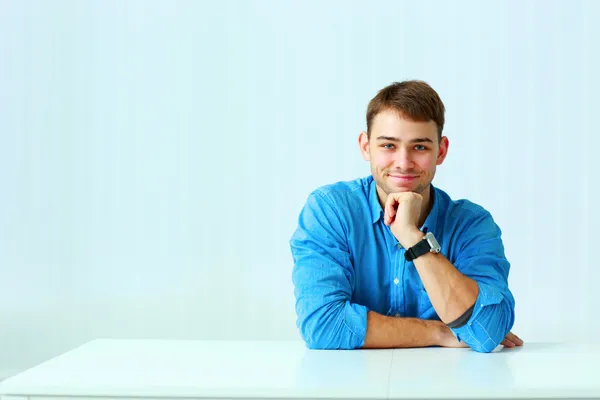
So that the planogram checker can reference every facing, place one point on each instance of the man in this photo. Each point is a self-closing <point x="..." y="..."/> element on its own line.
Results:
<point x="391" y="261"/>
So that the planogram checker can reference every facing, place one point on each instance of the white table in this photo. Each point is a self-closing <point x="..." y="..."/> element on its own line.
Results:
<point x="175" y="369"/>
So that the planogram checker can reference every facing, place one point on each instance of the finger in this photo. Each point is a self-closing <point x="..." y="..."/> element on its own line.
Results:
<point x="507" y="343"/>
<point x="390" y="209"/>
<point x="514" y="338"/>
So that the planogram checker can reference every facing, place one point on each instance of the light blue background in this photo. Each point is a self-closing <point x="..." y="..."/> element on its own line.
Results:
<point x="154" y="155"/>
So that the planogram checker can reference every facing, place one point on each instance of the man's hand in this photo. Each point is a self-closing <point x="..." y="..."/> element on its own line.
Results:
<point x="511" y="340"/>
<point x="447" y="339"/>
<point x="402" y="211"/>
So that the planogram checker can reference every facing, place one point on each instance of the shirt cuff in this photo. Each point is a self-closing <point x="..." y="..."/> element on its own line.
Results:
<point x="488" y="295"/>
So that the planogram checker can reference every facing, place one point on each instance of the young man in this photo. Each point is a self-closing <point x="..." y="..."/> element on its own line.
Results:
<point x="391" y="261"/>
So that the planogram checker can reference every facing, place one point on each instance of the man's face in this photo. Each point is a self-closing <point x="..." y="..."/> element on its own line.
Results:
<point x="403" y="154"/>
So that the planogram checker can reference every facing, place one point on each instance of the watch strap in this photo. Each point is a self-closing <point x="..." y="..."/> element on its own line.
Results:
<point x="417" y="250"/>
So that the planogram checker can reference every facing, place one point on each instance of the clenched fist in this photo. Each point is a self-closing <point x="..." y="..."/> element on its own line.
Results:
<point x="402" y="211"/>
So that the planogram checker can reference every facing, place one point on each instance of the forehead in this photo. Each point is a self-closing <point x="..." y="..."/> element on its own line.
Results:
<point x="390" y="123"/>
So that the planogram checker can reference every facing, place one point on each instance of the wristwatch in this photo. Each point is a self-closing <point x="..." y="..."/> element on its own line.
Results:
<point x="427" y="245"/>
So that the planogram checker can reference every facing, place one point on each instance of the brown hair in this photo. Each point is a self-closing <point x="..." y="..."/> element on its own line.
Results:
<point x="415" y="100"/>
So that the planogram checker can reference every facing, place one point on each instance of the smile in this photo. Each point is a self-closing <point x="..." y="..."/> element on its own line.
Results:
<point x="403" y="178"/>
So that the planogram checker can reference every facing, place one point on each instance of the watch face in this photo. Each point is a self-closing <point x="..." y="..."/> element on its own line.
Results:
<point x="435" y="246"/>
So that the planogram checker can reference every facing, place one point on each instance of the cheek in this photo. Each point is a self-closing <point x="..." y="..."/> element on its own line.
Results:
<point x="427" y="162"/>
<point x="382" y="160"/>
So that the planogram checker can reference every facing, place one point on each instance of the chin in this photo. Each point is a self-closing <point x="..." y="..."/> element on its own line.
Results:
<point x="400" y="189"/>
<point x="404" y="187"/>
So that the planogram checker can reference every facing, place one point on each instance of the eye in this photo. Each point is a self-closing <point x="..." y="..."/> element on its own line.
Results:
<point x="420" y="147"/>
<point x="391" y="146"/>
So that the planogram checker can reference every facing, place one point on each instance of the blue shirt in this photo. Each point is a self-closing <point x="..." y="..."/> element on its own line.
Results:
<point x="347" y="262"/>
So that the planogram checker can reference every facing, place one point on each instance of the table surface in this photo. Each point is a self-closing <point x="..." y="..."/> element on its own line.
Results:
<point x="174" y="369"/>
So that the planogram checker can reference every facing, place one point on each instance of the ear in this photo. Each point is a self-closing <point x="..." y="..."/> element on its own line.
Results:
<point x="363" y="144"/>
<point x="443" y="150"/>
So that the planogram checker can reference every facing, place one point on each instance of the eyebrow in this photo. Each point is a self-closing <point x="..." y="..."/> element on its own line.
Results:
<point x="394" y="139"/>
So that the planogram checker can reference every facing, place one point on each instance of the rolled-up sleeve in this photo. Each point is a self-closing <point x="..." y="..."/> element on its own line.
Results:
<point x="323" y="278"/>
<point x="481" y="257"/>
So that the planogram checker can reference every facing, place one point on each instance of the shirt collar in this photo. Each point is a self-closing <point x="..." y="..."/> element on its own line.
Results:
<point x="377" y="211"/>
<point x="431" y="220"/>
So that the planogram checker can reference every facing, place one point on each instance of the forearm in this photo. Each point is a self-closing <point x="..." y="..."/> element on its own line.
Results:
<point x="394" y="332"/>
<point x="451" y="293"/>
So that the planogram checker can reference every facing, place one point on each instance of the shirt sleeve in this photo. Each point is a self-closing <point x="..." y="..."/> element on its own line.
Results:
<point x="481" y="258"/>
<point x="323" y="278"/>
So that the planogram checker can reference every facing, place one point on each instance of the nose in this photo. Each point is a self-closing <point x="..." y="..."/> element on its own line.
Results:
<point x="404" y="160"/>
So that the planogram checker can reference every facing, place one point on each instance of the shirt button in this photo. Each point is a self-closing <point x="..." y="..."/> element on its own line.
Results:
<point x="399" y="246"/>
<point x="396" y="281"/>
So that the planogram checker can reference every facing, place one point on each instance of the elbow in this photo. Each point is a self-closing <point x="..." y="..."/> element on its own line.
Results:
<point x="325" y="328"/>
<point x="486" y="347"/>
<point x="490" y="327"/>
<point x="316" y="333"/>
<point x="481" y="342"/>
<point x="312" y="333"/>
<point x="316" y="341"/>
<point x="317" y="345"/>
